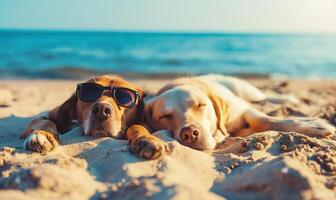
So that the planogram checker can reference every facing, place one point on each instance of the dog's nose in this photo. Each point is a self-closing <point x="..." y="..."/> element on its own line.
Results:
<point x="102" y="110"/>
<point x="189" y="134"/>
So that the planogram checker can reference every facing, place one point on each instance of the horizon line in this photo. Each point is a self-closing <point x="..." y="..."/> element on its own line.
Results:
<point x="215" y="32"/>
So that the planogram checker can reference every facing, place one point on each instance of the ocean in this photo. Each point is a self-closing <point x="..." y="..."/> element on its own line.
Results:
<point x="44" y="54"/>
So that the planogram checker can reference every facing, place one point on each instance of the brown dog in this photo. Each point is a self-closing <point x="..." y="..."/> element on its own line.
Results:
<point x="104" y="106"/>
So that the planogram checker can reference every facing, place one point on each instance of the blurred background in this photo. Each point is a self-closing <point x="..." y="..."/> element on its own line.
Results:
<point x="78" y="38"/>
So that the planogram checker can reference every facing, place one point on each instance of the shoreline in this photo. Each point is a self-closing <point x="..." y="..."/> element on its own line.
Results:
<point x="163" y="77"/>
<point x="74" y="73"/>
<point x="69" y="73"/>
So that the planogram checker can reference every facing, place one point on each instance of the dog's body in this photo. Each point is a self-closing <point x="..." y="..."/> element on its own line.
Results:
<point x="41" y="134"/>
<point x="202" y="111"/>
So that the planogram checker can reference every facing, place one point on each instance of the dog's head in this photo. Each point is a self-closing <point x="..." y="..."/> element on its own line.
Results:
<point x="193" y="112"/>
<point x="102" y="115"/>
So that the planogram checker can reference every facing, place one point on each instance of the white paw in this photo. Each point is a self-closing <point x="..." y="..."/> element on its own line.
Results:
<point x="316" y="127"/>
<point x="37" y="142"/>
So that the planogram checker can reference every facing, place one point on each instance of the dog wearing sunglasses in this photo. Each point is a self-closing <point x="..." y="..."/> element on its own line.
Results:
<point x="104" y="106"/>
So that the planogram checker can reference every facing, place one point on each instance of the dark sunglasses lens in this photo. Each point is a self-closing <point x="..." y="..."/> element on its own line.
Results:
<point x="90" y="92"/>
<point x="124" y="97"/>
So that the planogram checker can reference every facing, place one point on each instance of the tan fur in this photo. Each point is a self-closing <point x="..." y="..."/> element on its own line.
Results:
<point x="234" y="116"/>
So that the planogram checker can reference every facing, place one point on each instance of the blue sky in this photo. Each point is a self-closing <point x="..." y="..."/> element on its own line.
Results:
<point x="172" y="15"/>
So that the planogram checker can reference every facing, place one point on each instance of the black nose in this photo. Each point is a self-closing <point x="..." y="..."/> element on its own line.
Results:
<point x="102" y="110"/>
<point x="189" y="134"/>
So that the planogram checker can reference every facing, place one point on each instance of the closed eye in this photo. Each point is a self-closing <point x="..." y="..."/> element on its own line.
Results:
<point x="201" y="105"/>
<point x="166" y="116"/>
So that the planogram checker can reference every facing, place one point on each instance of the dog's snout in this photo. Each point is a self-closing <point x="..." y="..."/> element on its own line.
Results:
<point x="102" y="110"/>
<point x="189" y="134"/>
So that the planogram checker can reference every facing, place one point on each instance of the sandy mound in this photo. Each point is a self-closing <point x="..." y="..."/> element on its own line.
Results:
<point x="269" y="165"/>
<point x="275" y="165"/>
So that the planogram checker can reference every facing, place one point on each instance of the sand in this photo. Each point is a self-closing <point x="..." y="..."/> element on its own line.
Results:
<point x="269" y="165"/>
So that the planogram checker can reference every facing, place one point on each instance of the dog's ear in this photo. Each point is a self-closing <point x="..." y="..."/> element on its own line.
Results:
<point x="221" y="110"/>
<point x="140" y="116"/>
<point x="149" y="114"/>
<point x="220" y="106"/>
<point x="64" y="114"/>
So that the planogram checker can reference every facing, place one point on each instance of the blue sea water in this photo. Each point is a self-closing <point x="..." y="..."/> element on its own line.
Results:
<point x="32" y="53"/>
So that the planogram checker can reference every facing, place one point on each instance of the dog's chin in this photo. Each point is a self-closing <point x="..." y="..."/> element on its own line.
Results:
<point x="105" y="133"/>
<point x="100" y="133"/>
<point x="102" y="129"/>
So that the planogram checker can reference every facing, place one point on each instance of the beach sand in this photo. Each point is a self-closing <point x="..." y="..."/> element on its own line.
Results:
<point x="269" y="165"/>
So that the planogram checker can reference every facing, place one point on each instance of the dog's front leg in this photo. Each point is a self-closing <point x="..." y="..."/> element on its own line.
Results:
<point x="40" y="135"/>
<point x="145" y="145"/>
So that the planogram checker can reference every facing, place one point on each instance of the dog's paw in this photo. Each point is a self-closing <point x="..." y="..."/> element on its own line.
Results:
<point x="315" y="127"/>
<point x="149" y="147"/>
<point x="37" y="141"/>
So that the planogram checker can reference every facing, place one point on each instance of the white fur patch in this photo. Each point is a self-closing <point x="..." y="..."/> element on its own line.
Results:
<point x="28" y="140"/>
<point x="41" y="139"/>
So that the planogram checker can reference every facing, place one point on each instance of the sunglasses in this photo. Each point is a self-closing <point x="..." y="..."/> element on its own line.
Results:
<point x="90" y="92"/>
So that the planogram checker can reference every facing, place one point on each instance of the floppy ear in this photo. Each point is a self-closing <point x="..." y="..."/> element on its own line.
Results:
<point x="220" y="106"/>
<point x="64" y="114"/>
<point x="140" y="108"/>
<point x="149" y="115"/>
<point x="221" y="110"/>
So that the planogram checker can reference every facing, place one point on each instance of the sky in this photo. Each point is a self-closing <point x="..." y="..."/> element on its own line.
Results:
<point x="292" y="16"/>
